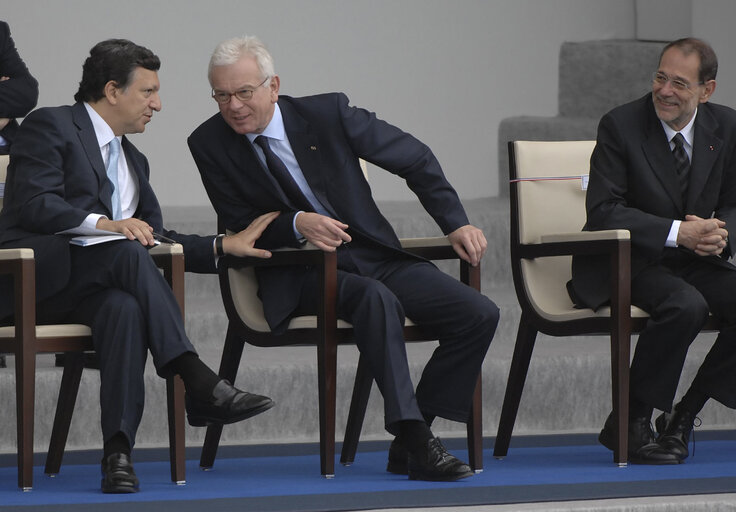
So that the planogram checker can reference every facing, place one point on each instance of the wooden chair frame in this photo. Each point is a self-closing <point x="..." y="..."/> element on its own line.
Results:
<point x="25" y="340"/>
<point x="619" y="324"/>
<point x="326" y="335"/>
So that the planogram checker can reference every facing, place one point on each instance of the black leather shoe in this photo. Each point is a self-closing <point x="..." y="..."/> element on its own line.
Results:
<point x="398" y="458"/>
<point x="227" y="405"/>
<point x="674" y="431"/>
<point x="643" y="447"/>
<point x="436" y="464"/>
<point x="118" y="476"/>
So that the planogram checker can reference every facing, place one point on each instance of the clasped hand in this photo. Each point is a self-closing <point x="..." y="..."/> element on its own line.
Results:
<point x="706" y="237"/>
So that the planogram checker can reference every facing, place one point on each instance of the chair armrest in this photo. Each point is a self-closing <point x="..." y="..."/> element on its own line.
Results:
<point x="308" y="254"/>
<point x="581" y="242"/>
<point x="165" y="249"/>
<point x="582" y="236"/>
<point x="431" y="248"/>
<point x="16" y="254"/>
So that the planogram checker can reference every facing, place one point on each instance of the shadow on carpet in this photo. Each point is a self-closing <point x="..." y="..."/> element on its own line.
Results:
<point x="286" y="478"/>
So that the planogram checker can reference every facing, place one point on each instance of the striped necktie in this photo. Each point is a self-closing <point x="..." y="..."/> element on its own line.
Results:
<point x="682" y="163"/>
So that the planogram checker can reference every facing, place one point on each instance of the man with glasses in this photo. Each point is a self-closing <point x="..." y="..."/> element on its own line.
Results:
<point x="664" y="167"/>
<point x="264" y="152"/>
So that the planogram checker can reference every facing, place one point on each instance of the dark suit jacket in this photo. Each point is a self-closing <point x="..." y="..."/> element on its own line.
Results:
<point x="56" y="178"/>
<point x="633" y="185"/>
<point x="328" y="137"/>
<point x="19" y="95"/>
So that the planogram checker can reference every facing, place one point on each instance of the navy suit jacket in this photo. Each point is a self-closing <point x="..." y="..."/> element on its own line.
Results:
<point x="633" y="185"/>
<point x="19" y="95"/>
<point x="56" y="178"/>
<point x="328" y="136"/>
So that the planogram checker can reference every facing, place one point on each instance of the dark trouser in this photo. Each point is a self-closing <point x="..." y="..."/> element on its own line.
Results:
<point x="678" y="296"/>
<point x="116" y="289"/>
<point x="375" y="295"/>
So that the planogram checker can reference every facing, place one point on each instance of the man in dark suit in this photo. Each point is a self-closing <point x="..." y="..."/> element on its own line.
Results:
<point x="18" y="89"/>
<point x="68" y="176"/>
<point x="299" y="156"/>
<point x="677" y="199"/>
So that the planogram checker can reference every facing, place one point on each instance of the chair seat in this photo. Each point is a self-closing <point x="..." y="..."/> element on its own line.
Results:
<point x="51" y="331"/>
<point x="561" y="313"/>
<point x="310" y="322"/>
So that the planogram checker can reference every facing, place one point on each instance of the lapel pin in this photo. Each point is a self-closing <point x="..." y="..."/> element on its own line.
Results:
<point x="711" y="148"/>
<point x="314" y="148"/>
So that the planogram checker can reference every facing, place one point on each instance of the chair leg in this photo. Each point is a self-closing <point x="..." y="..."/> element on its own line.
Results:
<point x="327" y="375"/>
<point x="25" y="389"/>
<point x="175" y="405"/>
<point x="231" y="354"/>
<point x="620" y="354"/>
<point x="525" y="339"/>
<point x="356" y="415"/>
<point x="475" y="429"/>
<point x="68" y="390"/>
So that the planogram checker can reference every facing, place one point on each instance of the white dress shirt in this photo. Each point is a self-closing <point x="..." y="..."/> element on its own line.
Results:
<point x="687" y="133"/>
<point x="127" y="184"/>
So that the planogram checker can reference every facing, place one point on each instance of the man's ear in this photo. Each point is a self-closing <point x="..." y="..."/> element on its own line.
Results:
<point x="111" y="91"/>
<point x="708" y="89"/>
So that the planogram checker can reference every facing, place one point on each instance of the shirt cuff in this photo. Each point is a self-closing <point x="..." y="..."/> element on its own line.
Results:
<point x="672" y="236"/>
<point x="87" y="227"/>
<point x="297" y="234"/>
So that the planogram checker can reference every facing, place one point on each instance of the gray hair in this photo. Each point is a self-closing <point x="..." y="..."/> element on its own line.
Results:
<point x="232" y="50"/>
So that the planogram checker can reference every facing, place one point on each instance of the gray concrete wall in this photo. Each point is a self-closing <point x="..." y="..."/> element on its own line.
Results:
<point x="446" y="71"/>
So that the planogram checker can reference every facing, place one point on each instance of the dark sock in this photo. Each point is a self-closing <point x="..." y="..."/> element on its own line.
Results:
<point x="414" y="434"/>
<point x="639" y="409"/>
<point x="199" y="379"/>
<point x="428" y="418"/>
<point x="116" y="444"/>
<point x="693" y="401"/>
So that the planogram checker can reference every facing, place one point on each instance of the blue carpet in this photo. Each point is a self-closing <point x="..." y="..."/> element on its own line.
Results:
<point x="547" y="468"/>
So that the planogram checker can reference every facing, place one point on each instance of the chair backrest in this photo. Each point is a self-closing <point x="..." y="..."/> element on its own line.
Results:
<point x="547" y="196"/>
<point x="4" y="161"/>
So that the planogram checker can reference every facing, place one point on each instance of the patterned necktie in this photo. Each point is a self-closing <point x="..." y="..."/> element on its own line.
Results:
<point x="682" y="163"/>
<point x="112" y="175"/>
<point x="283" y="176"/>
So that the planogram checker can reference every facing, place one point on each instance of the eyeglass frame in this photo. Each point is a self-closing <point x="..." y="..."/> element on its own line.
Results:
<point x="247" y="92"/>
<point x="660" y="78"/>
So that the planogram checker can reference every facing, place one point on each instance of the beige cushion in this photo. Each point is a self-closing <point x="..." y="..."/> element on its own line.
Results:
<point x="51" y="331"/>
<point x="551" y="202"/>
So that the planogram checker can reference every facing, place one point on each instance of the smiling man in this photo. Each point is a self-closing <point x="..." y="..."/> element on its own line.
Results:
<point x="73" y="170"/>
<point x="664" y="167"/>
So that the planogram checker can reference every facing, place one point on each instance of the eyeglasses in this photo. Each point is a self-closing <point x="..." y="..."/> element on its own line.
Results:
<point x="223" y="97"/>
<point x="660" y="78"/>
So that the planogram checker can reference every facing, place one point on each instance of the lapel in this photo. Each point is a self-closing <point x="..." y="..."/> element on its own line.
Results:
<point x="305" y="145"/>
<point x="659" y="155"/>
<point x="88" y="140"/>
<point x="706" y="148"/>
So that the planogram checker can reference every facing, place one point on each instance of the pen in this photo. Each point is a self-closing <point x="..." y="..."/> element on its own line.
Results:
<point x="163" y="238"/>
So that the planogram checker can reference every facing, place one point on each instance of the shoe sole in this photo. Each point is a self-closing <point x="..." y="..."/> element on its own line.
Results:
<point x="120" y="489"/>
<point x="606" y="442"/>
<point x="438" y="478"/>
<point x="206" y="421"/>
<point x="397" y="468"/>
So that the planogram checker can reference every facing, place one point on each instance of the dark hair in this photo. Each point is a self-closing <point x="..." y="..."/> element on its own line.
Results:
<point x="116" y="60"/>
<point x="708" y="60"/>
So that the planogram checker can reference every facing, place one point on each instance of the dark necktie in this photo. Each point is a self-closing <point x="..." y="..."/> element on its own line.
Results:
<point x="682" y="163"/>
<point x="283" y="176"/>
